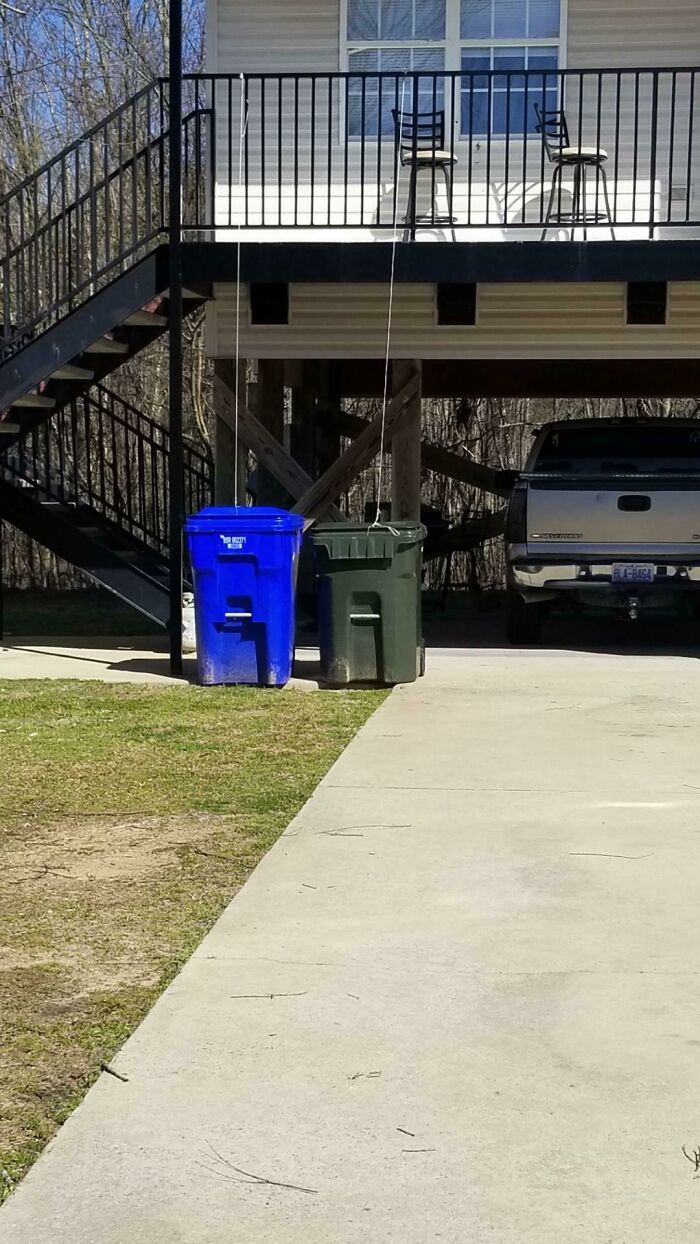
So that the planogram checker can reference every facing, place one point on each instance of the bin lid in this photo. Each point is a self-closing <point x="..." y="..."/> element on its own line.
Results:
<point x="347" y="541"/>
<point x="242" y="519"/>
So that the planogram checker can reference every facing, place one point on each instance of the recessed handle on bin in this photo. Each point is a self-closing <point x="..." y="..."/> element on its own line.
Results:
<point x="238" y="614"/>
<point x="365" y="617"/>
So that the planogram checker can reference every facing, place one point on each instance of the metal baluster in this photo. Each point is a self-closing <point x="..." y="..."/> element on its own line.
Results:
<point x="654" y="138"/>
<point x="506" y="170"/>
<point x="312" y="177"/>
<point x="329" y="150"/>
<point x="691" y="130"/>
<point x="263" y="169"/>
<point x="635" y="169"/>
<point x="296" y="149"/>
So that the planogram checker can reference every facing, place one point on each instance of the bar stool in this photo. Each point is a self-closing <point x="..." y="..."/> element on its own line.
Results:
<point x="552" y="125"/>
<point x="420" y="142"/>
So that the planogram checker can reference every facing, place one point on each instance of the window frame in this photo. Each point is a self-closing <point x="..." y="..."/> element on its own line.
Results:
<point x="453" y="45"/>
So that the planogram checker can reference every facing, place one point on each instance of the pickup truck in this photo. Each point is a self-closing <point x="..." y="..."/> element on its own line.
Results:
<point x="606" y="515"/>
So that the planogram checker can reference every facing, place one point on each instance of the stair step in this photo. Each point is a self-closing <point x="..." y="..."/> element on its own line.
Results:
<point x="8" y="429"/>
<point x="146" y="319"/>
<point x="70" y="371"/>
<point x="106" y="345"/>
<point x="35" y="401"/>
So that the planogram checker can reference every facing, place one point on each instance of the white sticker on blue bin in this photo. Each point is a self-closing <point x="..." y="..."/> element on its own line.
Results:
<point x="233" y="542"/>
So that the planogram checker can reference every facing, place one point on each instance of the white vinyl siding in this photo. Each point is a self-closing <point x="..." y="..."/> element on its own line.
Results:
<point x="519" y="321"/>
<point x="326" y="181"/>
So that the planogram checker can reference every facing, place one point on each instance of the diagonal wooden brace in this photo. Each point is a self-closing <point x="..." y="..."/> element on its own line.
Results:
<point x="347" y="467"/>
<point x="443" y="461"/>
<point x="273" y="456"/>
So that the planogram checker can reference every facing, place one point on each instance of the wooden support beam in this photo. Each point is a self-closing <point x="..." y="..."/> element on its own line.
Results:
<point x="313" y="503"/>
<point x="224" y="440"/>
<point x="328" y="408"/>
<point x="304" y="394"/>
<point x="267" y="450"/>
<point x="465" y="536"/>
<point x="444" y="461"/>
<point x="268" y="406"/>
<point x="406" y="445"/>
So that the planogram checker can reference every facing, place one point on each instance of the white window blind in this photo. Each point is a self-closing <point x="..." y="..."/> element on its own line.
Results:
<point x="507" y="52"/>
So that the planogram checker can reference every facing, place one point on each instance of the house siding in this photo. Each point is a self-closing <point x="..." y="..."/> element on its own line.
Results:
<point x="516" y="321"/>
<point x="631" y="34"/>
<point x="313" y="179"/>
<point x="281" y="36"/>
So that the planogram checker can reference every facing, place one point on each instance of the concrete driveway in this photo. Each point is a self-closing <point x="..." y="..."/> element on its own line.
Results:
<point x="458" y="1001"/>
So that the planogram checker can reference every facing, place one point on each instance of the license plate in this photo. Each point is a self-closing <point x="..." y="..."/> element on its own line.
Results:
<point x="632" y="572"/>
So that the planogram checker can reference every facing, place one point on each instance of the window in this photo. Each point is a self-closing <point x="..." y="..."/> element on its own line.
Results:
<point x="507" y="36"/>
<point x="389" y="37"/>
<point x="511" y="20"/>
<point x="370" y="21"/>
<point x="504" y="54"/>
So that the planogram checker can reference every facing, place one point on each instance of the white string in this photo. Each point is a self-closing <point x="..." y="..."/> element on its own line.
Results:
<point x="241" y="137"/>
<point x="390" y="310"/>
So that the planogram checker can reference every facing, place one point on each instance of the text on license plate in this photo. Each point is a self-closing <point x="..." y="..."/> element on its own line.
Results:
<point x="632" y="572"/>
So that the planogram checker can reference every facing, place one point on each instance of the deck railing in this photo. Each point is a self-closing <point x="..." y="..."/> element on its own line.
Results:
<point x="319" y="151"/>
<point x="102" y="455"/>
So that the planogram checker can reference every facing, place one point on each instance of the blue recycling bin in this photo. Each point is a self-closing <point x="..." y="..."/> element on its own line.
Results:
<point x="244" y="564"/>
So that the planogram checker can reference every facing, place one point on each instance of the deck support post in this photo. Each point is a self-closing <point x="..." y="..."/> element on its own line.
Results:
<point x="406" y="445"/>
<point x="269" y="408"/>
<point x="327" y="424"/>
<point x="225" y="439"/>
<point x="302" y="447"/>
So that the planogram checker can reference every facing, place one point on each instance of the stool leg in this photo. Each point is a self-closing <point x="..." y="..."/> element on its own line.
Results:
<point x="606" y="196"/>
<point x="576" y="203"/>
<point x="409" y="232"/>
<point x="584" y="200"/>
<point x="550" y="206"/>
<point x="449" y="186"/>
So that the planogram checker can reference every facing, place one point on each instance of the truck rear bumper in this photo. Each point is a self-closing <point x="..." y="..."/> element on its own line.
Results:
<point x="594" y="575"/>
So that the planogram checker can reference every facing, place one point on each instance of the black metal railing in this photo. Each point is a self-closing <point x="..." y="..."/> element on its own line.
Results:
<point x="95" y="209"/>
<point x="320" y="151"/>
<point x="100" y="453"/>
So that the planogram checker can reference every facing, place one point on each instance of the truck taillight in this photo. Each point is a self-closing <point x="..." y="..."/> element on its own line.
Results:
<point x="516" y="521"/>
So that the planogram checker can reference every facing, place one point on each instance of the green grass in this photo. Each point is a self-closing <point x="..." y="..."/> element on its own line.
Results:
<point x="129" y="816"/>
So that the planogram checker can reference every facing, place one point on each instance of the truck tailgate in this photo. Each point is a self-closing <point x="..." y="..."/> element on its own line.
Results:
<point x="627" y="517"/>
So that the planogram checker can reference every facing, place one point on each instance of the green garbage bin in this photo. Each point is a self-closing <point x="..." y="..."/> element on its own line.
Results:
<point x="369" y="601"/>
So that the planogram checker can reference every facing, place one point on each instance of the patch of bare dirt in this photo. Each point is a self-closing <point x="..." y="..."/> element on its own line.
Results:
<point x="105" y="849"/>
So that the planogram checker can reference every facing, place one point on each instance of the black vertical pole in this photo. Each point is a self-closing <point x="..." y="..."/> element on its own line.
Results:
<point x="175" y="468"/>
<point x="2" y="580"/>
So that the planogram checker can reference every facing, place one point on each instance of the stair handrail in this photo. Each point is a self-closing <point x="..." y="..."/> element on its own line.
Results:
<point x="103" y="455"/>
<point x="90" y="212"/>
<point x="87" y="134"/>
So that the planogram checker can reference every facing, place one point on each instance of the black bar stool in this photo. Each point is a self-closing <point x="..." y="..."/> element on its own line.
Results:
<point x="585" y="161"/>
<point x="420" y="141"/>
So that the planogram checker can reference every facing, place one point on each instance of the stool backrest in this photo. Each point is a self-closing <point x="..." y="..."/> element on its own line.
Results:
<point x="551" y="124"/>
<point x="420" y="131"/>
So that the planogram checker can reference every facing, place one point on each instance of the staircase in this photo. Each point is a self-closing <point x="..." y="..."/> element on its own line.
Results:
<point x="84" y="287"/>
<point x="91" y="485"/>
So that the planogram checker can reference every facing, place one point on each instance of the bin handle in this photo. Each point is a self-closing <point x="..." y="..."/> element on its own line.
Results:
<point x="365" y="617"/>
<point x="238" y="615"/>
